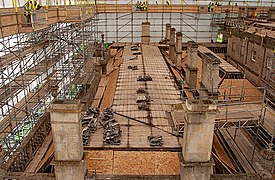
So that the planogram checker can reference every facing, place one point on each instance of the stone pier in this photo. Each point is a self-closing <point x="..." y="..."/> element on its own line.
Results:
<point x="271" y="14"/>
<point x="167" y="36"/>
<point x="145" y="34"/>
<point x="191" y="65"/>
<point x="199" y="117"/>
<point x="66" y="125"/>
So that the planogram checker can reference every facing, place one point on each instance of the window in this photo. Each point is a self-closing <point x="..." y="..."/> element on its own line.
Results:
<point x="270" y="63"/>
<point x="253" y="56"/>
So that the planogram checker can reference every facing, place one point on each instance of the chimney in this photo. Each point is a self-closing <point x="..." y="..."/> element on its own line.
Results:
<point x="210" y="73"/>
<point x="69" y="161"/>
<point x="191" y="65"/>
<point x="178" y="49"/>
<point x="271" y="14"/>
<point x="145" y="36"/>
<point x="167" y="37"/>
<point x="172" y="44"/>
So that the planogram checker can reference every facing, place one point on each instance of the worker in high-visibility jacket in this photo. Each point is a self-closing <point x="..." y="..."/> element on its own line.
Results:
<point x="220" y="38"/>
<point x="29" y="7"/>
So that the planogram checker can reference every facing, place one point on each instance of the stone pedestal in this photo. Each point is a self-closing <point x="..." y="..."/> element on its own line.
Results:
<point x="69" y="170"/>
<point x="167" y="36"/>
<point x="145" y="34"/>
<point x="191" y="65"/>
<point x="67" y="139"/>
<point x="199" y="117"/>
<point x="172" y="45"/>
<point x="196" y="171"/>
<point x="198" y="130"/>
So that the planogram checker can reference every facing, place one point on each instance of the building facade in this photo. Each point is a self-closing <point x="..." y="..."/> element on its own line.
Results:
<point x="252" y="51"/>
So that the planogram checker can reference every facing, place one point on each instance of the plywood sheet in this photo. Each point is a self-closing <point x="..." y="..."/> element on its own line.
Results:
<point x="100" y="161"/>
<point x="133" y="162"/>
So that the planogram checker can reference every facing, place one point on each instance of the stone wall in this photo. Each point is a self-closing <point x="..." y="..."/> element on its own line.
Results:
<point x="241" y="46"/>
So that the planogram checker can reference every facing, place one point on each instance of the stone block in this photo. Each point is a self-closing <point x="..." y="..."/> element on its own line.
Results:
<point x="70" y="170"/>
<point x="196" y="171"/>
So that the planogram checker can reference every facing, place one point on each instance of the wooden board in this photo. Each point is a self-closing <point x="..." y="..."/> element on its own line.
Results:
<point x="109" y="93"/>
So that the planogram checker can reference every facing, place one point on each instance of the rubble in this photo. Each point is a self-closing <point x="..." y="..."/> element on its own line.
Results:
<point x="133" y="67"/>
<point x="137" y="53"/>
<point x="87" y="131"/>
<point x="155" y="140"/>
<point x="134" y="48"/>
<point x="143" y="98"/>
<point x="112" y="132"/>
<point x="93" y="111"/>
<point x="133" y="58"/>
<point x="141" y="91"/>
<point x="107" y="114"/>
<point x="144" y="78"/>
<point x="90" y="121"/>
<point x="143" y="106"/>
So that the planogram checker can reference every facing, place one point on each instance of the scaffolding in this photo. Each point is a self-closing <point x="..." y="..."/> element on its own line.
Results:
<point x="49" y="51"/>
<point x="120" y="21"/>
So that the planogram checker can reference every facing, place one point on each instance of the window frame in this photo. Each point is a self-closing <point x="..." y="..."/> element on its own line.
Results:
<point x="253" y="56"/>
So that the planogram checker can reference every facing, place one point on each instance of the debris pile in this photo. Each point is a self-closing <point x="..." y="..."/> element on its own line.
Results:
<point x="141" y="91"/>
<point x="134" y="48"/>
<point x="107" y="114"/>
<point x="143" y="98"/>
<point x="112" y="132"/>
<point x="143" y="106"/>
<point x="93" y="111"/>
<point x="133" y="67"/>
<point x="90" y="121"/>
<point x="155" y="140"/>
<point x="137" y="52"/>
<point x="143" y="102"/>
<point x="144" y="78"/>
<point x="133" y="57"/>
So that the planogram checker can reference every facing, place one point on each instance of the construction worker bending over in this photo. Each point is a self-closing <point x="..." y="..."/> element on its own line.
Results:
<point x="29" y="7"/>
<point x="220" y="38"/>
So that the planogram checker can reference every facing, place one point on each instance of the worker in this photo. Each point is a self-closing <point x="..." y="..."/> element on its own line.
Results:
<point x="146" y="6"/>
<point x="142" y="6"/>
<point x="220" y="38"/>
<point x="212" y="7"/>
<point x="157" y="3"/>
<point x="209" y="7"/>
<point x="167" y="2"/>
<point x="137" y="4"/>
<point x="254" y="15"/>
<point x="29" y="8"/>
